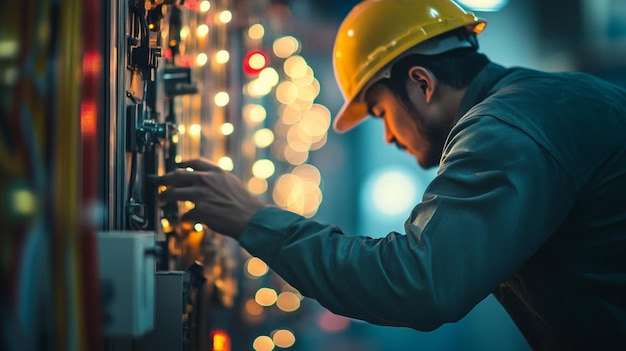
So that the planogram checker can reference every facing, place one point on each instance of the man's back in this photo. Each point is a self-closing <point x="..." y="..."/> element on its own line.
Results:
<point x="573" y="289"/>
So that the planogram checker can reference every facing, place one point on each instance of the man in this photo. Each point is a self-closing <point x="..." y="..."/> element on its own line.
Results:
<point x="528" y="203"/>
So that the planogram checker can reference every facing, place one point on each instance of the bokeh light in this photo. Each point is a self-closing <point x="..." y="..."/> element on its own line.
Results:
<point x="290" y="114"/>
<point x="256" y="267"/>
<point x="227" y="128"/>
<point x="222" y="99"/>
<point x="253" y="308"/>
<point x="295" y="67"/>
<point x="270" y="76"/>
<point x="257" y="185"/>
<point x="226" y="163"/>
<point x="222" y="56"/>
<point x="309" y="173"/>
<point x="202" y="30"/>
<point x="263" y="168"/>
<point x="288" y="301"/>
<point x="283" y="338"/>
<point x="195" y="130"/>
<point x="256" y="31"/>
<point x="285" y="46"/>
<point x="254" y="113"/>
<point x="263" y="343"/>
<point x="287" y="92"/>
<point x="205" y="6"/>
<point x="295" y="157"/>
<point x="263" y="138"/>
<point x="393" y="192"/>
<point x="202" y="59"/>
<point x="225" y="16"/>
<point x="258" y="88"/>
<point x="266" y="297"/>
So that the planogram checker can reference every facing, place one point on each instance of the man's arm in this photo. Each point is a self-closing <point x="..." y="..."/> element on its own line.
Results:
<point x="497" y="198"/>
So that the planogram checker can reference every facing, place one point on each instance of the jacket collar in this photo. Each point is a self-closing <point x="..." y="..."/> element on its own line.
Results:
<point x="479" y="88"/>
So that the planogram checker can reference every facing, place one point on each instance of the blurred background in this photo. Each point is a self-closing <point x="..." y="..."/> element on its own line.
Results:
<point x="98" y="97"/>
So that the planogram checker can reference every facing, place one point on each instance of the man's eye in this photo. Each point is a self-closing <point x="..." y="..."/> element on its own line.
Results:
<point x="374" y="113"/>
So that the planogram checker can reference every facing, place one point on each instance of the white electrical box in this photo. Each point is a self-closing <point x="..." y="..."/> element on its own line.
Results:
<point x="127" y="267"/>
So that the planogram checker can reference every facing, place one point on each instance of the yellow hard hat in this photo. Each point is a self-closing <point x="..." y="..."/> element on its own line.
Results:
<point x="376" y="32"/>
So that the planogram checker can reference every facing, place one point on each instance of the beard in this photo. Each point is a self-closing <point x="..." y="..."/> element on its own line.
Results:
<point x="433" y="137"/>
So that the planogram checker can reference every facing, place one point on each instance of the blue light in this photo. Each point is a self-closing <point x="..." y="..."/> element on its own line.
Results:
<point x="483" y="5"/>
<point x="392" y="192"/>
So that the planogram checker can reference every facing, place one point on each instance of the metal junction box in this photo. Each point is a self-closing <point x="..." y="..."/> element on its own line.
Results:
<point x="127" y="266"/>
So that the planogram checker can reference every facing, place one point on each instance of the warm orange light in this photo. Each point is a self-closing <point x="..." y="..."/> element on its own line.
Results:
<point x="92" y="63"/>
<point x="257" y="185"/>
<point x="266" y="297"/>
<point x="88" y="118"/>
<point x="286" y="46"/>
<point x="256" y="267"/>
<point x="263" y="343"/>
<point x="221" y="341"/>
<point x="480" y="27"/>
<point x="284" y="338"/>
<point x="253" y="308"/>
<point x="256" y="31"/>
<point x="288" y="301"/>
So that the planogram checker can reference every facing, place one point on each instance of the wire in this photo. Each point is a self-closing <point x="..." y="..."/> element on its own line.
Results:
<point x="136" y="222"/>
<point x="133" y="176"/>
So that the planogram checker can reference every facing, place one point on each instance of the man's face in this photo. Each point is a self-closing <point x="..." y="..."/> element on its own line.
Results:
<point x="416" y="128"/>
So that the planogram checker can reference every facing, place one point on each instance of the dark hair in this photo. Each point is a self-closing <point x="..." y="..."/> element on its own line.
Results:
<point x="456" y="68"/>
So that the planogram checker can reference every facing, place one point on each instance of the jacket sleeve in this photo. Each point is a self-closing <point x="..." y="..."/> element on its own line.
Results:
<point x="497" y="197"/>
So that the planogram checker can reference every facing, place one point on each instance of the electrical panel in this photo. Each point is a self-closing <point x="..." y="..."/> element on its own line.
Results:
<point x="205" y="79"/>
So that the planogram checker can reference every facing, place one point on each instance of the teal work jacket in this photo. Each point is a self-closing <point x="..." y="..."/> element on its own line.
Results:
<point x="529" y="204"/>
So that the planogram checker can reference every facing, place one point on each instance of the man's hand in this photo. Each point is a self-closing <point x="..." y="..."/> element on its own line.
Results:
<point x="221" y="201"/>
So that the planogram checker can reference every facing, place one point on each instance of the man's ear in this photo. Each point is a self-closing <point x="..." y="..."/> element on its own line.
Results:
<point x="425" y="81"/>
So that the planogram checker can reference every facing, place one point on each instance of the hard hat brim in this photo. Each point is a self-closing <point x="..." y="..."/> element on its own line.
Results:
<point x="351" y="114"/>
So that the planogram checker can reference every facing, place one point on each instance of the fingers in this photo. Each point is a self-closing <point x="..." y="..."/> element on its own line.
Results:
<point x="192" y="216"/>
<point x="185" y="176"/>
<point x="179" y="194"/>
<point x="179" y="177"/>
<point x="200" y="165"/>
